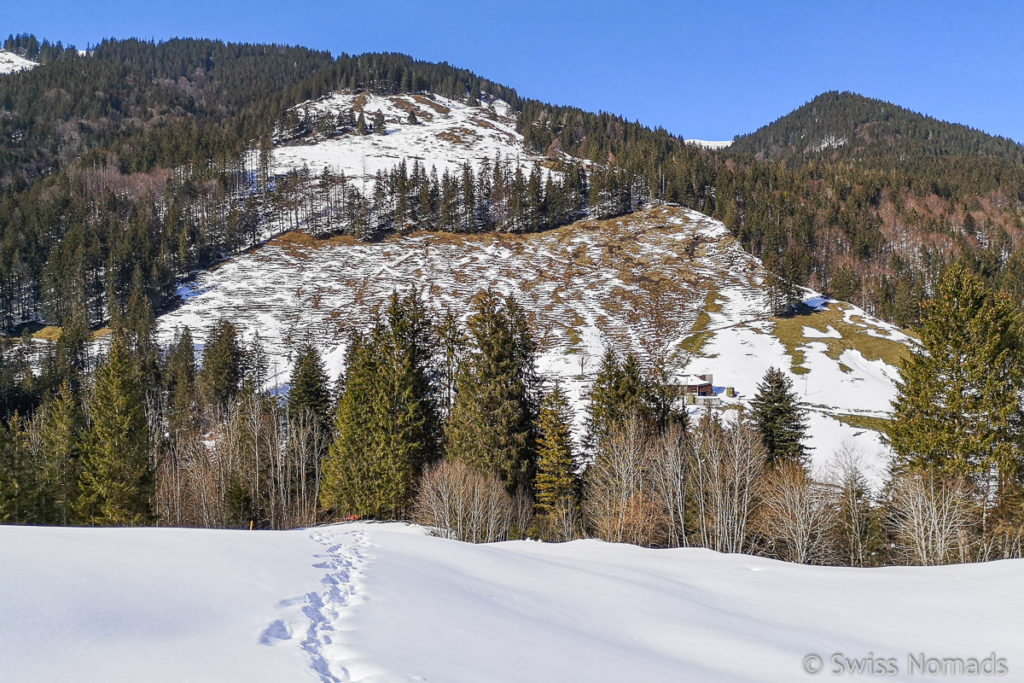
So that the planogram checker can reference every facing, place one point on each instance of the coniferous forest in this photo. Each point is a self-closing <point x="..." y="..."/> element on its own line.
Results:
<point x="125" y="169"/>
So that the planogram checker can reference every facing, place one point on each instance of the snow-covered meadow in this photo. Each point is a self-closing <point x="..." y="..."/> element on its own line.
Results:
<point x="387" y="602"/>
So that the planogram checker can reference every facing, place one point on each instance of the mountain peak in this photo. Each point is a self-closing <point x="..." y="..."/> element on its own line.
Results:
<point x="843" y="124"/>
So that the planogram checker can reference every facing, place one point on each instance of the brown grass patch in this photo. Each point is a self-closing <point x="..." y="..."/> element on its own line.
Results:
<point x="50" y="333"/>
<point x="459" y="136"/>
<point x="427" y="102"/>
<point x="407" y="106"/>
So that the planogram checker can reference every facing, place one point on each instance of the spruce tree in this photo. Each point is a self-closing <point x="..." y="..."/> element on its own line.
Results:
<point x="222" y="365"/>
<point x="17" y="474"/>
<point x="958" y="410"/>
<point x="310" y="393"/>
<point x="117" y="481"/>
<point x="379" y="126"/>
<point x="179" y="376"/>
<point x="620" y="391"/>
<point x="361" y="124"/>
<point x="59" y="428"/>
<point x="387" y="425"/>
<point x="780" y="418"/>
<point x="491" y="426"/>
<point x="557" y="485"/>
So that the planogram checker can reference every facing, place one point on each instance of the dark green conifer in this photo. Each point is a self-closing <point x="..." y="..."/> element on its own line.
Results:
<point x="959" y="409"/>
<point x="222" y="365"/>
<point x="491" y="426"/>
<point x="310" y="392"/>
<point x="780" y="418"/>
<point x="557" y="485"/>
<point x="117" y="480"/>
<point x="60" y="426"/>
<point x="387" y="425"/>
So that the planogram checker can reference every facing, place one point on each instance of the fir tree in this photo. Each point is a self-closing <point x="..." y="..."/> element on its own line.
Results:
<point x="959" y="408"/>
<point x="557" y="485"/>
<point x="117" y="481"/>
<point x="491" y="426"/>
<point x="379" y="126"/>
<point x="780" y="418"/>
<point x="361" y="124"/>
<point x="17" y="474"/>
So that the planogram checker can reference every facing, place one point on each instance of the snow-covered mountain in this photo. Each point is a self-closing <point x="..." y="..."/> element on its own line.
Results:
<point x="445" y="136"/>
<point x="667" y="283"/>
<point x="11" y="63"/>
<point x="387" y="603"/>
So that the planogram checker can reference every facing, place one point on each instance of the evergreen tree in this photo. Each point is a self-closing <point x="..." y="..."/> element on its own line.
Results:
<point x="17" y="474"/>
<point x="491" y="426"/>
<point x="379" y="126"/>
<point x="557" y="485"/>
<point x="117" y="481"/>
<point x="361" y="124"/>
<point x="60" y="431"/>
<point x="780" y="418"/>
<point x="310" y="393"/>
<point x="619" y="392"/>
<point x="387" y="425"/>
<point x="222" y="365"/>
<point x="959" y="407"/>
<point x="179" y="375"/>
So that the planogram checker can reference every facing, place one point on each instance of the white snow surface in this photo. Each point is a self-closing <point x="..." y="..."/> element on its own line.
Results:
<point x="11" y="63"/>
<point x="447" y="135"/>
<point x="386" y="602"/>
<point x="638" y="283"/>
<point x="708" y="144"/>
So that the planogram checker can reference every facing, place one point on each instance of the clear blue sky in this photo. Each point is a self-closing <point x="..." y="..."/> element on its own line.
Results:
<point x="707" y="70"/>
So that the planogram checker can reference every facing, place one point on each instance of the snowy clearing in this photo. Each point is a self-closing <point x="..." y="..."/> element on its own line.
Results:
<point x="447" y="135"/>
<point x="386" y="602"/>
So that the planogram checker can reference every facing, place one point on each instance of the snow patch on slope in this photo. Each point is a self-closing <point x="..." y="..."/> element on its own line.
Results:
<point x="447" y="135"/>
<point x="11" y="63"/>
<point x="709" y="144"/>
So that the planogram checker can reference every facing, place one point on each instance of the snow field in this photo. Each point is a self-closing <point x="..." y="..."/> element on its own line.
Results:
<point x="386" y="602"/>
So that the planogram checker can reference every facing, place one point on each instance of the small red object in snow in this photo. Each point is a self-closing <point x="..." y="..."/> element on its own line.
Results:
<point x="352" y="518"/>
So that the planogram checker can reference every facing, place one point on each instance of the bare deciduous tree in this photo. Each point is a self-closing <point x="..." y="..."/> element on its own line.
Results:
<point x="669" y="458"/>
<point x="619" y="502"/>
<point x="728" y="462"/>
<point x="797" y="515"/>
<point x="931" y="518"/>
<point x="463" y="504"/>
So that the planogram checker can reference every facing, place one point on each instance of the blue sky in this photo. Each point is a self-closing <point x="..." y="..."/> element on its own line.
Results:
<point x="707" y="70"/>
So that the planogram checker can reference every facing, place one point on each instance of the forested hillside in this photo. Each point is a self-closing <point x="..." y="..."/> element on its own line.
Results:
<point x="133" y="157"/>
